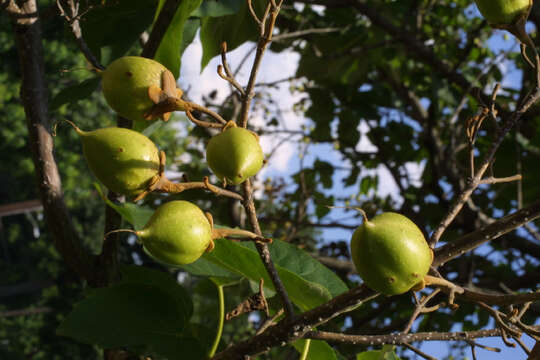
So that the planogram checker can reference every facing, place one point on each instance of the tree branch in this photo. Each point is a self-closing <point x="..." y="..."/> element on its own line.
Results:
<point x="305" y="32"/>
<point x="492" y="231"/>
<point x="285" y="331"/>
<point x="34" y="97"/>
<point x="474" y="182"/>
<point x="400" y="338"/>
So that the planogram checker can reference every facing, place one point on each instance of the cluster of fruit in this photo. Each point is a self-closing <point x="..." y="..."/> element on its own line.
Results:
<point x="129" y="163"/>
<point x="390" y="252"/>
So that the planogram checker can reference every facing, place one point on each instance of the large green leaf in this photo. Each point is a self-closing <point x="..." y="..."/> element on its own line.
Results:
<point x="216" y="8"/>
<point x="168" y="52"/>
<point x="308" y="282"/>
<point x="164" y="281"/>
<point x="234" y="29"/>
<point x="116" y="25"/>
<point x="139" y="316"/>
<point x="318" y="350"/>
<point x="203" y="267"/>
<point x="190" y="30"/>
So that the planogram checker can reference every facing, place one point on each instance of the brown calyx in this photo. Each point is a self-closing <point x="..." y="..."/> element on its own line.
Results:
<point x="166" y="99"/>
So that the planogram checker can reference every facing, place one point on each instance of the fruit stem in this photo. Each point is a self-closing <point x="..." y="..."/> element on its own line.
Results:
<point x="518" y="30"/>
<point x="164" y="185"/>
<point x="364" y="215"/>
<point x="79" y="131"/>
<point x="229" y="124"/>
<point x="361" y="211"/>
<point x="193" y="106"/>
<point x="238" y="233"/>
<point x="201" y="123"/>
<point x="432" y="280"/>
<point x="221" y="316"/>
<point x="119" y="230"/>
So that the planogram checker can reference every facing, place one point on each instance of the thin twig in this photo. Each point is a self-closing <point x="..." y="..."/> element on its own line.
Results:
<point x="522" y="345"/>
<point x="488" y="348"/>
<point x="265" y="39"/>
<point x="252" y="11"/>
<point x="269" y="322"/>
<point x="493" y="180"/>
<point x="400" y="338"/>
<point x="492" y="231"/>
<point x="73" y="19"/>
<point x="305" y="32"/>
<point x="25" y="312"/>
<point x="531" y="99"/>
<point x="228" y="75"/>
<point x="419" y="309"/>
<point x="419" y="352"/>
<point x="505" y="328"/>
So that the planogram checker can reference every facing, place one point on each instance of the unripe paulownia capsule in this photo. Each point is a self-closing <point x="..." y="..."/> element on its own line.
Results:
<point x="125" y="161"/>
<point x="126" y="83"/>
<point x="503" y="12"/>
<point x="390" y="253"/>
<point x="178" y="233"/>
<point x="234" y="155"/>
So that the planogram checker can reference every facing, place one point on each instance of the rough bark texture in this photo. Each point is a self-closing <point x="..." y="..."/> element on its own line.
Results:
<point x="35" y="100"/>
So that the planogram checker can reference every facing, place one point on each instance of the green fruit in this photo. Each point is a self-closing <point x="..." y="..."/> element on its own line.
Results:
<point x="234" y="155"/>
<point x="390" y="253"/>
<point x="178" y="233"/>
<point x="125" y="161"/>
<point x="125" y="84"/>
<point x="503" y="12"/>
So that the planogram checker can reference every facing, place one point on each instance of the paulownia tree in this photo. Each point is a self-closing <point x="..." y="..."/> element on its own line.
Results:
<point x="446" y="106"/>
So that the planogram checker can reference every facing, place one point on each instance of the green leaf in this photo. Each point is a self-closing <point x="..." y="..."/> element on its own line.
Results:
<point x="321" y="112"/>
<point x="387" y="353"/>
<point x="190" y="30"/>
<point x="117" y="25"/>
<point x="234" y="29"/>
<point x="74" y="93"/>
<point x="318" y="350"/>
<point x="203" y="267"/>
<point x="225" y="281"/>
<point x="168" y="52"/>
<point x="307" y="281"/>
<point x="216" y="8"/>
<point x="325" y="170"/>
<point x="348" y="133"/>
<point x="368" y="183"/>
<point x="139" y="316"/>
<point x="164" y="281"/>
<point x="136" y="215"/>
